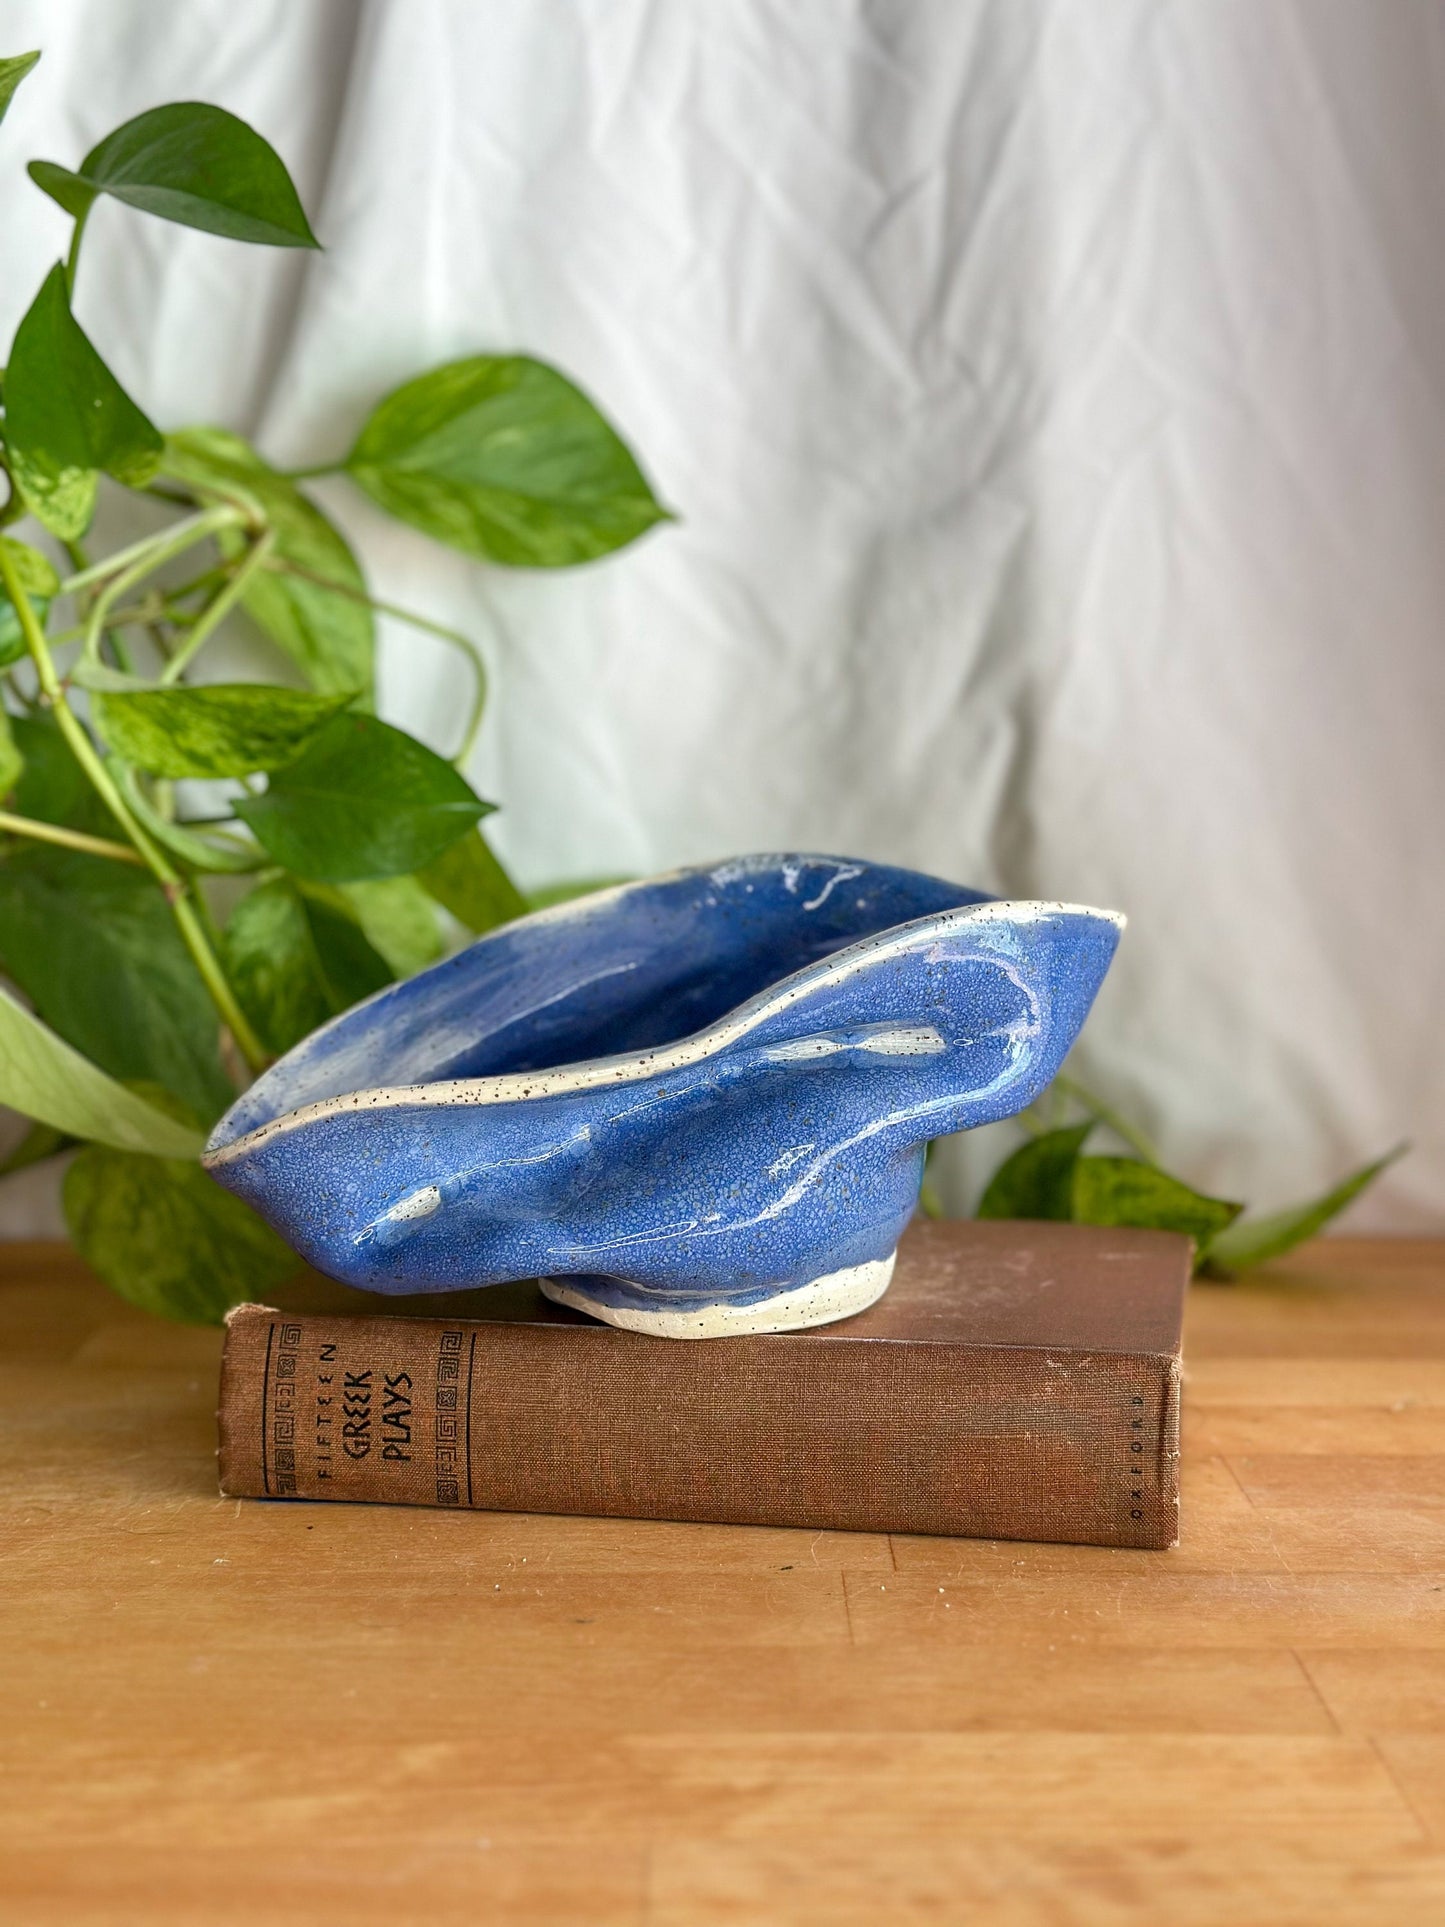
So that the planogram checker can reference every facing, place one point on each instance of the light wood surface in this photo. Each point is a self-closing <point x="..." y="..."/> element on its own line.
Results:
<point x="228" y="1712"/>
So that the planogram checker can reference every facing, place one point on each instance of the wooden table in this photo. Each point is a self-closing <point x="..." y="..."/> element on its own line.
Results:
<point x="223" y="1712"/>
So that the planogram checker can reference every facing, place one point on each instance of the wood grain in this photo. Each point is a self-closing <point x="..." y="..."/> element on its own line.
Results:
<point x="228" y="1712"/>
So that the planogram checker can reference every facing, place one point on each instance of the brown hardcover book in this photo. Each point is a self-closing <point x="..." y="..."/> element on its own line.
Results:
<point x="1017" y="1381"/>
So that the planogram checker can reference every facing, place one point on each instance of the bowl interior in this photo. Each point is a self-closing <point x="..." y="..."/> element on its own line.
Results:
<point x="626" y="970"/>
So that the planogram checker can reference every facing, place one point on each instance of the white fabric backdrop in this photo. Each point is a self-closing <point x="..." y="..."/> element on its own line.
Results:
<point x="1054" y="395"/>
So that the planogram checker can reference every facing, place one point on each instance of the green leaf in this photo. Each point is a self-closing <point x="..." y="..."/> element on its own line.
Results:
<point x="294" y="962"/>
<point x="42" y="1077"/>
<point x="93" y="946"/>
<point x="191" y="163"/>
<point x="66" y="416"/>
<point x="1253" y="1241"/>
<point x="365" y="800"/>
<point x="220" y="729"/>
<point x="12" y="763"/>
<point x="1127" y="1191"/>
<point x="329" y="633"/>
<point x="554" y="893"/>
<point x="468" y="880"/>
<point x="929" y="1202"/>
<point x="1038" y="1180"/>
<point x="399" y="920"/>
<point x="12" y="71"/>
<point x="54" y="788"/>
<point x="40" y="583"/>
<point x="41" y="1141"/>
<point x="502" y="457"/>
<point x="168" y="1238"/>
<point x="65" y="187"/>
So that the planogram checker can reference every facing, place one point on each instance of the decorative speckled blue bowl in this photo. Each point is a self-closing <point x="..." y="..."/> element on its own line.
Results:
<point x="692" y="1106"/>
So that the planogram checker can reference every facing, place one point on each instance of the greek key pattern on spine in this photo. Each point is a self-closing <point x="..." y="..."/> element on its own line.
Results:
<point x="283" y="1411"/>
<point x="449" y="1372"/>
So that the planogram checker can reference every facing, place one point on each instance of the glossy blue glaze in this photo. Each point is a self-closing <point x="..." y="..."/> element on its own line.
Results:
<point x="712" y="1087"/>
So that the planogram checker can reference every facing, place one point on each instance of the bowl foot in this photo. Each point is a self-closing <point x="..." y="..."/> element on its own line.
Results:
<point x="821" y="1301"/>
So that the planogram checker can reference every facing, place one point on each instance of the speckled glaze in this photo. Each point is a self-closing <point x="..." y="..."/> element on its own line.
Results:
<point x="697" y="1104"/>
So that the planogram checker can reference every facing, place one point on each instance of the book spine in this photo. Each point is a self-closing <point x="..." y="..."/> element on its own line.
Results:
<point x="821" y="1432"/>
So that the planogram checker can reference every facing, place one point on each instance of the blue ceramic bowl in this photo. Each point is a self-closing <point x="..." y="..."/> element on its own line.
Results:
<point x="693" y="1106"/>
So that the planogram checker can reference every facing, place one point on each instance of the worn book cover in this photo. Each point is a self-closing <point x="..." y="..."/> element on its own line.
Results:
<point x="1017" y="1381"/>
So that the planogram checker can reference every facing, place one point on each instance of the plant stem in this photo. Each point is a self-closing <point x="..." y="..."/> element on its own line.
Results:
<point x="98" y="571"/>
<point x="80" y="560"/>
<point x="219" y="607"/>
<point x="216" y="573"/>
<point x="1106" y="1114"/>
<point x="12" y="508"/>
<point x="159" y="549"/>
<point x="218" y="850"/>
<point x="72" y="259"/>
<point x="122" y="558"/>
<point x="69" y="839"/>
<point x="139" y="615"/>
<point x="929" y="1202"/>
<point x="284" y="566"/>
<point x="316" y="468"/>
<point x="173" y="885"/>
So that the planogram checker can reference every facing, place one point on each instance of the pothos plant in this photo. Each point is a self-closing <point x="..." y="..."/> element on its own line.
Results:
<point x="194" y="873"/>
<point x="169" y="946"/>
<point x="1055" y="1175"/>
